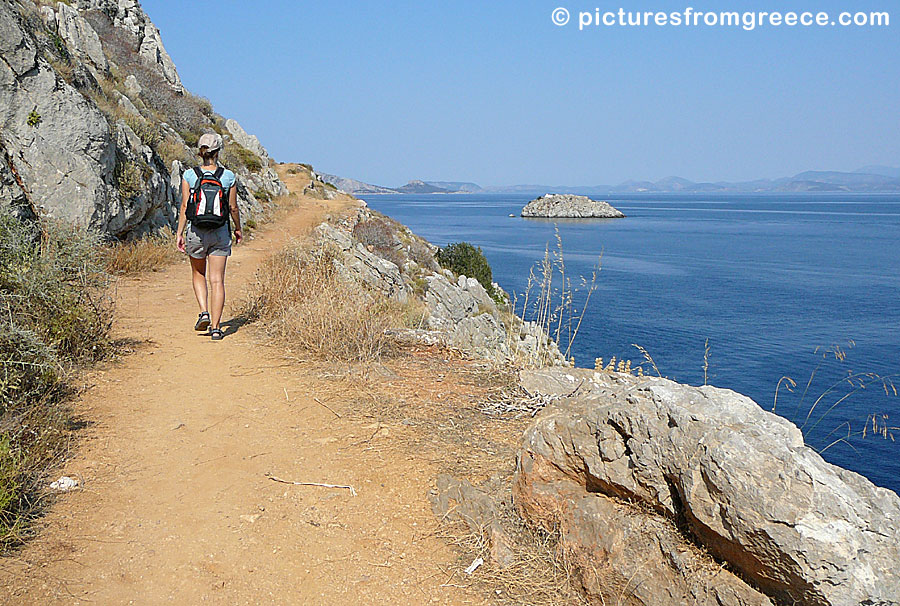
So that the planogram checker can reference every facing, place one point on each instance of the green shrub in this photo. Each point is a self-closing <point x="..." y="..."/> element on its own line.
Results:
<point x="236" y="154"/>
<point x="54" y="316"/>
<point x="34" y="118"/>
<point x="464" y="259"/>
<point x="262" y="195"/>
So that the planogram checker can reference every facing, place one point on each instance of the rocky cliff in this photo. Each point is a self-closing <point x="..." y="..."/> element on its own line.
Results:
<point x="95" y="124"/>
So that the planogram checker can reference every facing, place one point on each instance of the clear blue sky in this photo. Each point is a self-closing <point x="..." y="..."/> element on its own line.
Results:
<point x="494" y="92"/>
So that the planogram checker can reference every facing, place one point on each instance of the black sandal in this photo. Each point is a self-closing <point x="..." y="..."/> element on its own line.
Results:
<point x="202" y="322"/>
<point x="216" y="334"/>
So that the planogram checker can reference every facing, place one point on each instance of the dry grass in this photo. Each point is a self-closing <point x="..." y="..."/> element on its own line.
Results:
<point x="539" y="573"/>
<point x="300" y="300"/>
<point x="150" y="253"/>
<point x="836" y="384"/>
<point x="553" y="303"/>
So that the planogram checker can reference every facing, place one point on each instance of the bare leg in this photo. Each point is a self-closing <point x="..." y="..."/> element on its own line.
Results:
<point x="198" y="279"/>
<point x="217" y="288"/>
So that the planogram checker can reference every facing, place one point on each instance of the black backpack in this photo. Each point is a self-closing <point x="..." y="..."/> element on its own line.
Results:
<point x="208" y="203"/>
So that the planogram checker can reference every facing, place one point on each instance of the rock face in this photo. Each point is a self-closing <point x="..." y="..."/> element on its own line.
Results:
<point x="79" y="145"/>
<point x="737" y="479"/>
<point x="129" y="16"/>
<point x="80" y="37"/>
<point x="569" y="206"/>
<point x="358" y="263"/>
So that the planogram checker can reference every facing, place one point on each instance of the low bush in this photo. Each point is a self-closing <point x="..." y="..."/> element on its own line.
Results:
<point x="379" y="234"/>
<point x="54" y="316"/>
<point x="376" y="232"/>
<point x="421" y="254"/>
<point x="235" y="154"/>
<point x="128" y="179"/>
<point x="170" y="149"/>
<point x="301" y="301"/>
<point x="464" y="259"/>
<point x="148" y="133"/>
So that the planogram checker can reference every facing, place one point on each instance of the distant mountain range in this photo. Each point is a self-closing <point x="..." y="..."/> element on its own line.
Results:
<point x="865" y="179"/>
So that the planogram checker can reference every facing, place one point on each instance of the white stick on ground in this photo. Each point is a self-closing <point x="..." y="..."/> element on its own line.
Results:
<point x="320" y="484"/>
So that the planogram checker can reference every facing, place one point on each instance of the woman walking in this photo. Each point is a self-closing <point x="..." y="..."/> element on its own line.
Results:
<point x="208" y="198"/>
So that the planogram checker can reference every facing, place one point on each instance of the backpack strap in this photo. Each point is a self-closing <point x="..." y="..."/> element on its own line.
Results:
<point x="218" y="174"/>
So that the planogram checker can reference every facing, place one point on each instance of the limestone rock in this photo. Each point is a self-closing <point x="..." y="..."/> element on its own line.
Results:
<point x="127" y="105"/>
<point x="16" y="49"/>
<point x="248" y="141"/>
<point x="621" y="555"/>
<point x="79" y="36"/>
<point x="59" y="143"/>
<point x="569" y="206"/>
<point x="738" y="478"/>
<point x="358" y="263"/>
<point x="129" y="15"/>
<point x="131" y="85"/>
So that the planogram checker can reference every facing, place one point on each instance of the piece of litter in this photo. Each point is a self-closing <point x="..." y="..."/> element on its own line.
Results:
<point x="250" y="518"/>
<point x="474" y="565"/>
<point x="64" y="484"/>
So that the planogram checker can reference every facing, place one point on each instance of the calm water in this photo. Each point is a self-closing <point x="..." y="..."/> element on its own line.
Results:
<point x="766" y="278"/>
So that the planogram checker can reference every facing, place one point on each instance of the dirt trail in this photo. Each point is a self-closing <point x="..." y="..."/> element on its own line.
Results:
<point x="177" y="507"/>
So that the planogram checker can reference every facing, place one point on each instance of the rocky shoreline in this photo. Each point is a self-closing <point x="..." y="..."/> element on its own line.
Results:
<point x="671" y="494"/>
<point x="567" y="206"/>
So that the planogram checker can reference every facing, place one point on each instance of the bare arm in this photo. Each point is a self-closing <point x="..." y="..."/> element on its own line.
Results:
<point x="182" y="215"/>
<point x="235" y="213"/>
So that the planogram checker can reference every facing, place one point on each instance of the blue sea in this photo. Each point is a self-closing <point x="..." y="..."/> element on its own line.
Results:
<point x="804" y="286"/>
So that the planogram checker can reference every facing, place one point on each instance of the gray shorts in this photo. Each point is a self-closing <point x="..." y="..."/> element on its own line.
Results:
<point x="201" y="243"/>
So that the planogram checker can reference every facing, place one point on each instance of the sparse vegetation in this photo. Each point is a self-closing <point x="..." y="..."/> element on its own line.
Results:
<point x="149" y="253"/>
<point x="170" y="149"/>
<point x="422" y="255"/>
<point x="237" y="155"/>
<point x="835" y="384"/>
<point x="149" y="133"/>
<point x="557" y="309"/>
<point x="538" y="572"/>
<point x="301" y="301"/>
<point x="128" y="179"/>
<point x="379" y="234"/>
<point x="61" y="50"/>
<point x="34" y="118"/>
<point x="55" y="317"/>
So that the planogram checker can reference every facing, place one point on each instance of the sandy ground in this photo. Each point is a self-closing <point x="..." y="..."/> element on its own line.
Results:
<point x="178" y="506"/>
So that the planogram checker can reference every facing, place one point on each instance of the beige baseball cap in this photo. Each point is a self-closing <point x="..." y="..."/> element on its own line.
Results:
<point x="211" y="141"/>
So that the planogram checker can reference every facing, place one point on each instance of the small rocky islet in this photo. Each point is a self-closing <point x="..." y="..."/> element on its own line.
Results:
<point x="568" y="206"/>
